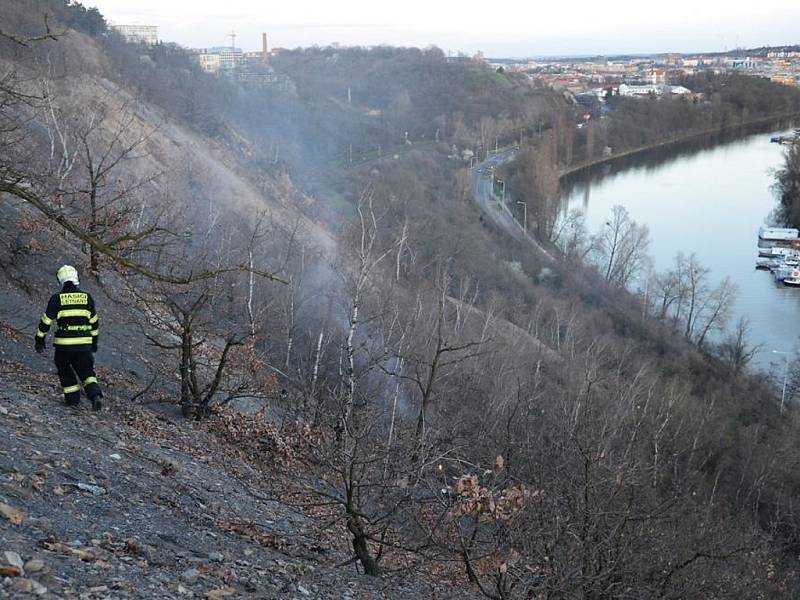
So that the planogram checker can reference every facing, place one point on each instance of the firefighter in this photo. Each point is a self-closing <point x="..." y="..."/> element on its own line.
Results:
<point x="75" y="338"/>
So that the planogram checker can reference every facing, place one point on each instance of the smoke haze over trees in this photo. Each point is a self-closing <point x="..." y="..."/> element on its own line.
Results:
<point x="457" y="406"/>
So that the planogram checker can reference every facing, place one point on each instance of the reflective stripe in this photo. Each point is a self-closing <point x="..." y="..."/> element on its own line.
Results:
<point x="93" y="319"/>
<point x="95" y="333"/>
<point x="76" y="341"/>
<point x="89" y="380"/>
<point x="40" y="334"/>
<point x="72" y="389"/>
<point x="74" y="312"/>
<point x="47" y="320"/>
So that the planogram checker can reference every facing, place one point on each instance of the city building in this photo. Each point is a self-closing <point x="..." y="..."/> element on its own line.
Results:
<point x="248" y="67"/>
<point x="640" y="90"/>
<point x="655" y="76"/>
<point x="657" y="90"/>
<point x="147" y="34"/>
<point x="645" y="76"/>
<point x="746" y="64"/>
<point x="209" y="61"/>
<point x="229" y="57"/>
<point x="219" y="58"/>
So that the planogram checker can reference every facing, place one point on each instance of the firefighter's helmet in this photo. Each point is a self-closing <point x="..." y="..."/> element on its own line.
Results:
<point x="67" y="273"/>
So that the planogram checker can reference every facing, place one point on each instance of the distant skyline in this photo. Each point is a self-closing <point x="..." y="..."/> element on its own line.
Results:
<point x="503" y="28"/>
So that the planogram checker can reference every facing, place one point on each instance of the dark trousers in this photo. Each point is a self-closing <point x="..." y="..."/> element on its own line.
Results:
<point x="76" y="369"/>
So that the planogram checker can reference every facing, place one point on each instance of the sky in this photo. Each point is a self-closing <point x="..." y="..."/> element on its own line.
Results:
<point x="499" y="28"/>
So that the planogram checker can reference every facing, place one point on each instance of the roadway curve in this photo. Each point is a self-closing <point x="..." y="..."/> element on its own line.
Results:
<point x="494" y="207"/>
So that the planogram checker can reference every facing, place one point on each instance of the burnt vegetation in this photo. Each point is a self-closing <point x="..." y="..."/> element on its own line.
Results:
<point x="469" y="411"/>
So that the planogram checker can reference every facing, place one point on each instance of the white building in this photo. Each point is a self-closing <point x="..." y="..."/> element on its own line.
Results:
<point x="147" y="34"/>
<point x="640" y="90"/>
<point x="209" y="62"/>
<point x="220" y="58"/>
<point x="657" y="90"/>
<point x="230" y="58"/>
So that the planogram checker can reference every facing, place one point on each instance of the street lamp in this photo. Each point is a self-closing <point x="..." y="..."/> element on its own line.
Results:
<point x="785" y="375"/>
<point x="524" y="215"/>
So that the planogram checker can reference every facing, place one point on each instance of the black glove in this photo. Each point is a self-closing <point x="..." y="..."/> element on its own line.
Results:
<point x="39" y="344"/>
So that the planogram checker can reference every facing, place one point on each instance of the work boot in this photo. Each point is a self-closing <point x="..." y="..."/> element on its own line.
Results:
<point x="96" y="404"/>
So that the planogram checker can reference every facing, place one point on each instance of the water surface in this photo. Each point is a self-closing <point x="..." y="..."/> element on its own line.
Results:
<point x="710" y="201"/>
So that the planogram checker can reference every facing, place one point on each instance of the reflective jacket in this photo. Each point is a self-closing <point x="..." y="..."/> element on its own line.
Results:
<point x="76" y="319"/>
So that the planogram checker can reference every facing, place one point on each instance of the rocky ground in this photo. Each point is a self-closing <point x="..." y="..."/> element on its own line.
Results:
<point x="137" y="502"/>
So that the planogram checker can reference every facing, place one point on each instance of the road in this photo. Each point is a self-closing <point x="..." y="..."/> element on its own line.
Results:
<point x="494" y="207"/>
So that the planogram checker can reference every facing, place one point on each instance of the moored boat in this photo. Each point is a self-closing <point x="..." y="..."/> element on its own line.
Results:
<point x="766" y="264"/>
<point x="782" y="272"/>
<point x="778" y="252"/>
<point x="792" y="281"/>
<point x="778" y="233"/>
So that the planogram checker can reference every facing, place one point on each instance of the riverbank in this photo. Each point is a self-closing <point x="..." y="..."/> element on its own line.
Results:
<point x="679" y="139"/>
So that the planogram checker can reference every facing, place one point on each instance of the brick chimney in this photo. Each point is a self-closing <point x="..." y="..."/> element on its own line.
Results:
<point x="264" y="50"/>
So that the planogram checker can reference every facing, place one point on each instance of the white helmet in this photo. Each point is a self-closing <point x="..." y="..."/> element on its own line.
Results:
<point x="67" y="273"/>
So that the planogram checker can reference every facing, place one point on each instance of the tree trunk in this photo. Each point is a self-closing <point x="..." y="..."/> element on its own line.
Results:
<point x="186" y="352"/>
<point x="360" y="546"/>
<point x="93" y="255"/>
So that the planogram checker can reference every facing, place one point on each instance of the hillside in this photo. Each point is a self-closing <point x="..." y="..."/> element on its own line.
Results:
<point x="329" y="374"/>
<point x="137" y="503"/>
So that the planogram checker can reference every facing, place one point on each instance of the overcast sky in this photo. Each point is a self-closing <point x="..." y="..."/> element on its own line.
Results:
<point x="497" y="27"/>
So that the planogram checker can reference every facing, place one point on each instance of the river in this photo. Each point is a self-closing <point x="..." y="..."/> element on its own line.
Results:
<point x="708" y="198"/>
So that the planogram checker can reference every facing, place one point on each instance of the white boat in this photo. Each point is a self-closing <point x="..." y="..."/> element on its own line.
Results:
<point x="778" y="233"/>
<point x="767" y="264"/>
<point x="793" y="280"/>
<point x="778" y="252"/>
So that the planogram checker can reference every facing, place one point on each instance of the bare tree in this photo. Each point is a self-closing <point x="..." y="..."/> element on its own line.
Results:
<point x="360" y="478"/>
<point x="440" y="348"/>
<point x="99" y="152"/>
<point x="715" y="311"/>
<point x="81" y="186"/>
<point x="684" y="296"/>
<point x="619" y="249"/>
<point x="735" y="349"/>
<point x="178" y="320"/>
<point x="569" y="234"/>
<point x="536" y="183"/>
<point x="667" y="292"/>
<point x="488" y="134"/>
